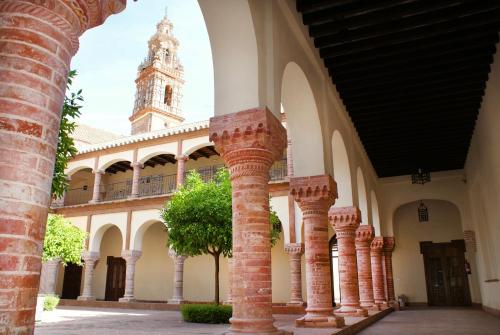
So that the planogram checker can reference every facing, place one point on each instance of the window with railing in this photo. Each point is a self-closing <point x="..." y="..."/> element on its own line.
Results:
<point x="156" y="184"/>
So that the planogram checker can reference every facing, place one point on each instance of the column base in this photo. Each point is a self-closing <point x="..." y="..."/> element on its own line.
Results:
<point x="351" y="311"/>
<point x="331" y="321"/>
<point x="177" y="301"/>
<point x="228" y="302"/>
<point x="85" y="298"/>
<point x="382" y="305"/>
<point x="127" y="299"/>
<point x="371" y="307"/>
<point x="295" y="304"/>
<point x="93" y="202"/>
<point x="254" y="327"/>
<point x="394" y="304"/>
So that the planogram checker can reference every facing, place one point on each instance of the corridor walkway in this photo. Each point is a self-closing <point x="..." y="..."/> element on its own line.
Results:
<point x="436" y="321"/>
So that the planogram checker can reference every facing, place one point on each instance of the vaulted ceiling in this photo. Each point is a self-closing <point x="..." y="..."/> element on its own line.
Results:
<point x="411" y="74"/>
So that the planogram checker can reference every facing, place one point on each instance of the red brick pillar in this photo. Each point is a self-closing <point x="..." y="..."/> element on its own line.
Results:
<point x="96" y="193"/>
<point x="314" y="196"/>
<point x="345" y="221"/>
<point x="364" y="238"/>
<point x="181" y="169"/>
<point x="37" y="41"/>
<point x="295" y="251"/>
<point x="389" y="243"/>
<point x="229" y="300"/>
<point x="136" y="176"/>
<point x="249" y="142"/>
<point x="377" y="272"/>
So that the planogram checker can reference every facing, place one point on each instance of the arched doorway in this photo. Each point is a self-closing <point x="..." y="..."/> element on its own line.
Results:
<point x="334" y="269"/>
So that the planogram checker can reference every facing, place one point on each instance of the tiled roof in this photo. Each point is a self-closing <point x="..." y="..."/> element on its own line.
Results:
<point x="91" y="135"/>
<point x="185" y="128"/>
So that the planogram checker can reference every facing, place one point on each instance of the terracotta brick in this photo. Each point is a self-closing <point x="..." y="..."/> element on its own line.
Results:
<point x="389" y="244"/>
<point x="249" y="142"/>
<point x="377" y="272"/>
<point x="345" y="221"/>
<point x="295" y="252"/>
<point x="314" y="196"/>
<point x="364" y="238"/>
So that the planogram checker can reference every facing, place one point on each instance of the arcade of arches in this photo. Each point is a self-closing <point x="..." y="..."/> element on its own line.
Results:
<point x="351" y="234"/>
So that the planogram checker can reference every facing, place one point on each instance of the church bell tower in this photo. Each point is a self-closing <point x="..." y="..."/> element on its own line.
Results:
<point x="159" y="84"/>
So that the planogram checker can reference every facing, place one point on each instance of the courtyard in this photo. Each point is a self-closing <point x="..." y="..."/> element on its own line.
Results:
<point x="418" y="321"/>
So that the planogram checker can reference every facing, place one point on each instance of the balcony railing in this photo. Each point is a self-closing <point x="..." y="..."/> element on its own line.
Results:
<point x="78" y="196"/>
<point x="156" y="184"/>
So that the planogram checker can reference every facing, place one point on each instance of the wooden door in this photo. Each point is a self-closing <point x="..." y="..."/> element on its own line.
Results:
<point x="72" y="281"/>
<point x="445" y="275"/>
<point x="115" y="278"/>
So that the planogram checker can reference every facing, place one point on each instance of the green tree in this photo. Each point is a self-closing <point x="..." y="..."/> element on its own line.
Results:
<point x="66" y="147"/>
<point x="63" y="240"/>
<point x="198" y="218"/>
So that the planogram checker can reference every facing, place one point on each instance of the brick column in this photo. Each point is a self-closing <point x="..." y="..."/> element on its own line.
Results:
<point x="90" y="259"/>
<point x="377" y="272"/>
<point x="38" y="39"/>
<point x="96" y="195"/>
<point x="136" y="175"/>
<point x="131" y="257"/>
<point x="295" y="251"/>
<point x="178" y="295"/>
<point x="314" y="196"/>
<point x="229" y="300"/>
<point x="389" y="243"/>
<point x="181" y="169"/>
<point x="364" y="238"/>
<point x="345" y="221"/>
<point x="48" y="277"/>
<point x="249" y="142"/>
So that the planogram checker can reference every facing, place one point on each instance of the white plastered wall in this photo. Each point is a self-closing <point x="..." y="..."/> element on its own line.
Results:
<point x="192" y="144"/>
<point x="139" y="224"/>
<point x="145" y="153"/>
<point x="76" y="165"/>
<point x="101" y="222"/>
<point x="483" y="187"/>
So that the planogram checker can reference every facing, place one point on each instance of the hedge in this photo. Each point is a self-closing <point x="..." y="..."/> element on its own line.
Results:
<point x="206" y="313"/>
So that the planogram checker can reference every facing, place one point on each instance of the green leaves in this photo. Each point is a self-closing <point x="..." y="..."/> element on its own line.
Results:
<point x="63" y="240"/>
<point x="66" y="146"/>
<point x="198" y="217"/>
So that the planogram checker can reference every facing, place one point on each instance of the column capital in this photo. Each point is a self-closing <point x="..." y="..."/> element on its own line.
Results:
<point x="365" y="235"/>
<point x="98" y="171"/>
<point x="344" y="219"/>
<point x="172" y="253"/>
<point x="131" y="255"/>
<point x="377" y="243"/>
<point x="70" y="16"/>
<point x="90" y="256"/>
<point x="253" y="135"/>
<point x="182" y="158"/>
<point x="389" y="243"/>
<point x="313" y="192"/>
<point x="137" y="165"/>
<point x="294" y="248"/>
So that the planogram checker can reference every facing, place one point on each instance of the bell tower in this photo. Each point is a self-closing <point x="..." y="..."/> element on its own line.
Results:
<point x="159" y="83"/>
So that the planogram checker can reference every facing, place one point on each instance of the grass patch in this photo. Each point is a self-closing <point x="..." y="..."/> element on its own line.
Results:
<point x="50" y="302"/>
<point x="206" y="313"/>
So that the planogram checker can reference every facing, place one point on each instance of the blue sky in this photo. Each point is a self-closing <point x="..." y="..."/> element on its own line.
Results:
<point x="109" y="55"/>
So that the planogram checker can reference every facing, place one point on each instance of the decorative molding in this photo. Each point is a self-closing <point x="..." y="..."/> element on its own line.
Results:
<point x="131" y="255"/>
<point x="377" y="243"/>
<point x="389" y="243"/>
<point x="344" y="218"/>
<point x="313" y="189"/>
<point x="365" y="234"/>
<point x="294" y="248"/>
<point x="255" y="129"/>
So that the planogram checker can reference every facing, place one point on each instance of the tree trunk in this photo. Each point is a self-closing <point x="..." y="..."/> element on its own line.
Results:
<point x="216" y="257"/>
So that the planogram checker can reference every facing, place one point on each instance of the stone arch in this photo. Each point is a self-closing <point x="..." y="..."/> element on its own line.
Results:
<point x="108" y="163"/>
<point x="193" y="148"/>
<point x="96" y="237"/>
<point x="303" y="123"/>
<point x="155" y="153"/>
<point x="77" y="168"/>
<point x="234" y="54"/>
<point x="375" y="213"/>
<point x="362" y="197"/>
<point x="136" y="240"/>
<point x="341" y="171"/>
